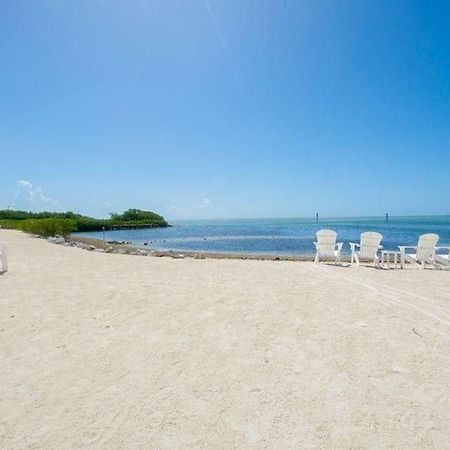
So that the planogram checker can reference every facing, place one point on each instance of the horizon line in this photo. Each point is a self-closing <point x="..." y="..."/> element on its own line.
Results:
<point x="313" y="218"/>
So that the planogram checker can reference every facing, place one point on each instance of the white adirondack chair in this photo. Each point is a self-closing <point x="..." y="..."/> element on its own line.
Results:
<point x="425" y="251"/>
<point x="368" y="248"/>
<point x="3" y="258"/>
<point x="326" y="246"/>
<point x="443" y="258"/>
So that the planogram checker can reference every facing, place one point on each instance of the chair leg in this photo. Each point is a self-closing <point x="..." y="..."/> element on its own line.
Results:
<point x="316" y="260"/>
<point x="417" y="265"/>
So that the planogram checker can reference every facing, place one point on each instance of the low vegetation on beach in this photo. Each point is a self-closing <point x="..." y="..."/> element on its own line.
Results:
<point x="52" y="223"/>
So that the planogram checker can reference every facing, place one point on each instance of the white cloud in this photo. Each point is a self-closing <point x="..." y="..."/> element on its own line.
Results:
<point x="32" y="196"/>
<point x="177" y="209"/>
<point x="205" y="202"/>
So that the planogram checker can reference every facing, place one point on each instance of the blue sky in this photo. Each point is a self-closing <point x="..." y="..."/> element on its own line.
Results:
<point x="226" y="108"/>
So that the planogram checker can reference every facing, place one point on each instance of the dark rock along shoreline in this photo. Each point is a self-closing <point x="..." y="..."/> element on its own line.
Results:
<point x="125" y="248"/>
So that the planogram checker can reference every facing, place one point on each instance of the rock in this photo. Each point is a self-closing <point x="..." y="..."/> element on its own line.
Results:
<point x="51" y="239"/>
<point x="122" y="251"/>
<point x="109" y="250"/>
<point x="99" y="250"/>
<point x="91" y="247"/>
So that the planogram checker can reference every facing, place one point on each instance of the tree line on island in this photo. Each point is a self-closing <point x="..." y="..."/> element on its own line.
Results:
<point x="48" y="223"/>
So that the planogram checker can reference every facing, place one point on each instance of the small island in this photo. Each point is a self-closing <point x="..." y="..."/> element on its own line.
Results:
<point x="51" y="223"/>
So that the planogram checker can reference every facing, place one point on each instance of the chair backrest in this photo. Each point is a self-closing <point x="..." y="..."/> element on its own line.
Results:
<point x="426" y="248"/>
<point x="370" y="242"/>
<point x="326" y="242"/>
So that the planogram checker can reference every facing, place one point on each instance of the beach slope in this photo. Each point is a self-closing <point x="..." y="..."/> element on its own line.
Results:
<point x="118" y="351"/>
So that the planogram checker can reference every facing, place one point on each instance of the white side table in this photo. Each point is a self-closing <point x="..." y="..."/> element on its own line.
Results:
<point x="386" y="258"/>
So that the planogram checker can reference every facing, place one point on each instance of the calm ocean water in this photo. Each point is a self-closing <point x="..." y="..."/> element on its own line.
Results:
<point x="277" y="236"/>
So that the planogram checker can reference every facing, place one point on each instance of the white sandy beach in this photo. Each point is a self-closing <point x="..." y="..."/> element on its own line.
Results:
<point x="125" y="352"/>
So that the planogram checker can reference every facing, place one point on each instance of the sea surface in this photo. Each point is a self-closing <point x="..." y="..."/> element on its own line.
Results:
<point x="292" y="237"/>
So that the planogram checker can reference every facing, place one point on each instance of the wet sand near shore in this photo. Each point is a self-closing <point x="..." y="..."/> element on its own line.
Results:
<point x="197" y="255"/>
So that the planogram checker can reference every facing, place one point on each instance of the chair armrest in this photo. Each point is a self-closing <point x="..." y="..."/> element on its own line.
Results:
<point x="380" y="247"/>
<point x="353" y="245"/>
<point x="339" y="245"/>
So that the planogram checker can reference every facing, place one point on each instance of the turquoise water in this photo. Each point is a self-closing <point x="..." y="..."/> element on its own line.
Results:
<point x="277" y="236"/>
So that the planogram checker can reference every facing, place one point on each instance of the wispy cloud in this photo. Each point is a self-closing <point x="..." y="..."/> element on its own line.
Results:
<point x="205" y="202"/>
<point x="223" y="41"/>
<point x="32" y="196"/>
<point x="179" y="210"/>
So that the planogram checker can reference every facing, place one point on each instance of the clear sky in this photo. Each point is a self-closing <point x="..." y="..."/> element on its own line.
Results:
<point x="226" y="108"/>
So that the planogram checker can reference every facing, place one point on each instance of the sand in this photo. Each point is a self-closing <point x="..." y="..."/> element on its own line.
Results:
<point x="126" y="352"/>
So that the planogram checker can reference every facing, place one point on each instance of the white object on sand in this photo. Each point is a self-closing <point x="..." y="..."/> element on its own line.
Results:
<point x="425" y="251"/>
<point x="326" y="246"/>
<point x="386" y="258"/>
<point x="3" y="258"/>
<point x="368" y="248"/>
